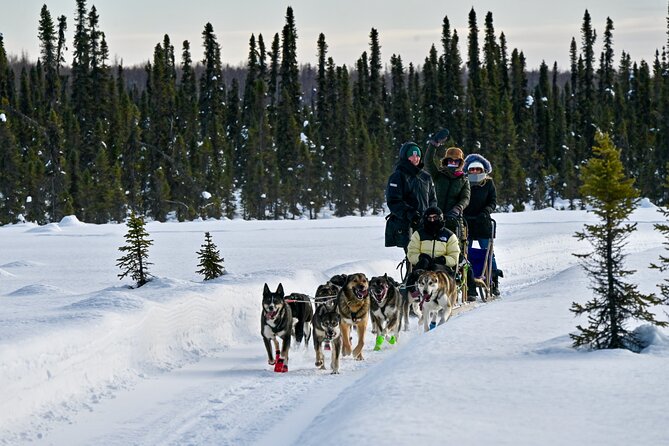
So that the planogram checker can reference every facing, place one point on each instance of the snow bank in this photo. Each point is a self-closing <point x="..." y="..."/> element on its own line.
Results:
<point x="70" y="220"/>
<point x="51" y="227"/>
<point x="108" y="340"/>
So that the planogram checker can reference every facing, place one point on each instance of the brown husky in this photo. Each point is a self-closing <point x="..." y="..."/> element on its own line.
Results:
<point x="353" y="306"/>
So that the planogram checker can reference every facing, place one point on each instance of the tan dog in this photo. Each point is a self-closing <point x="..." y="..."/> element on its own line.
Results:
<point x="438" y="293"/>
<point x="353" y="306"/>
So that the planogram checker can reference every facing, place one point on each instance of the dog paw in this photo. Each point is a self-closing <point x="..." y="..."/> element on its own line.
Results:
<point x="270" y="362"/>
<point x="335" y="372"/>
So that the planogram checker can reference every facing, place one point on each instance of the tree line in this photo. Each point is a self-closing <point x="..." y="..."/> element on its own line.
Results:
<point x="80" y="139"/>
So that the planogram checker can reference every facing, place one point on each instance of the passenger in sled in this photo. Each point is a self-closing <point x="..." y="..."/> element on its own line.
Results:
<point x="480" y="226"/>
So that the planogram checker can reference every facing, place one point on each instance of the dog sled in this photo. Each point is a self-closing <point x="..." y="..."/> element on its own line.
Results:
<point x="480" y="260"/>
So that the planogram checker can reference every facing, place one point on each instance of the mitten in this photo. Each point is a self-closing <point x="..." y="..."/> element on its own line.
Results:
<point x="453" y="213"/>
<point x="441" y="260"/>
<point x="424" y="262"/>
<point x="415" y="220"/>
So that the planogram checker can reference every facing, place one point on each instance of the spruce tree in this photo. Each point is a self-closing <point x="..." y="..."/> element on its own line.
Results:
<point x="379" y="151"/>
<point x="49" y="56"/>
<point x="432" y="100"/>
<point x="12" y="186"/>
<point x="400" y="111"/>
<point x="452" y="88"/>
<point x="612" y="197"/>
<point x="211" y="262"/>
<point x="135" y="263"/>
<point x="663" y="264"/>
<point x="288" y="122"/>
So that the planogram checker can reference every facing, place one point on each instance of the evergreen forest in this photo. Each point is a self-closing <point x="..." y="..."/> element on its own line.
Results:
<point x="187" y="136"/>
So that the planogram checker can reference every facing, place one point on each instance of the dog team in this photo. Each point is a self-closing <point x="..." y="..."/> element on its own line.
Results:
<point x="346" y="303"/>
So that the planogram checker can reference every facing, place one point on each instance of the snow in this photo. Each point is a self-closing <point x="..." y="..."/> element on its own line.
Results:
<point x="85" y="359"/>
<point x="3" y="117"/>
<point x="529" y="101"/>
<point x="206" y="195"/>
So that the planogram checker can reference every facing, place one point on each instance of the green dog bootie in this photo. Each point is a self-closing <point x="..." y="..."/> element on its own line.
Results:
<point x="379" y="341"/>
<point x="392" y="340"/>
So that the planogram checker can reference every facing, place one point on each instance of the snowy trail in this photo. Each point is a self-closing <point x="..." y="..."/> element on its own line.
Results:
<point x="231" y="398"/>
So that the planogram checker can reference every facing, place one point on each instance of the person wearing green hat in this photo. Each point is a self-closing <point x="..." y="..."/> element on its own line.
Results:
<point x="409" y="192"/>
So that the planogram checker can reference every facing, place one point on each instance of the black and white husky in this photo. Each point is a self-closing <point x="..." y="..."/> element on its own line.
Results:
<point x="385" y="309"/>
<point x="276" y="323"/>
<point x="327" y="330"/>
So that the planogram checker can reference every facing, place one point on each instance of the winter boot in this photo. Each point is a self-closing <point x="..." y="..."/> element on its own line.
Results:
<point x="471" y="286"/>
<point x="379" y="342"/>
<point x="496" y="274"/>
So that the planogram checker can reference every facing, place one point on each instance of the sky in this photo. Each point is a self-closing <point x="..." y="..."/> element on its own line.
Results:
<point x="541" y="29"/>
<point x="86" y="360"/>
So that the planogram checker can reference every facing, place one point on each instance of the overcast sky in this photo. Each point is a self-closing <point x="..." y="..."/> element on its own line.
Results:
<point x="541" y="29"/>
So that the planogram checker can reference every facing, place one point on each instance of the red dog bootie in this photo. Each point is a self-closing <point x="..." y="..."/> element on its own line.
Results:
<point x="280" y="367"/>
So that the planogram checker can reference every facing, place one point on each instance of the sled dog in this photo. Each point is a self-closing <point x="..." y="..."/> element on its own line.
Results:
<point x="276" y="323"/>
<point x="385" y="309"/>
<point x="353" y="307"/>
<point x="339" y="280"/>
<point x="438" y="294"/>
<point x="303" y="313"/>
<point x="327" y="329"/>
<point x="326" y="295"/>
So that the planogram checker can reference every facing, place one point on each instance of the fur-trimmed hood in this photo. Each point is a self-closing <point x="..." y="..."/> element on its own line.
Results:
<point x="487" y="167"/>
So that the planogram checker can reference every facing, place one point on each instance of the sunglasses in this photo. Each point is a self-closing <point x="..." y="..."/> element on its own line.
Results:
<point x="451" y="162"/>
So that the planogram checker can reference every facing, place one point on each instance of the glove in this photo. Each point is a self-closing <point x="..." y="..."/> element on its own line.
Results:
<point x="454" y="213"/>
<point x="441" y="260"/>
<point x="485" y="213"/>
<point x="424" y="262"/>
<point x="415" y="220"/>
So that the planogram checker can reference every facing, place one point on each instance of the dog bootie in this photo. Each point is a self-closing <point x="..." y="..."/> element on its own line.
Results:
<point x="379" y="342"/>
<point x="433" y="325"/>
<point x="392" y="340"/>
<point x="280" y="367"/>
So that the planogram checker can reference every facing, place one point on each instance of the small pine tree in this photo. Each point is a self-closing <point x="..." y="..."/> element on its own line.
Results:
<point x="612" y="197"/>
<point x="135" y="263"/>
<point x="211" y="262"/>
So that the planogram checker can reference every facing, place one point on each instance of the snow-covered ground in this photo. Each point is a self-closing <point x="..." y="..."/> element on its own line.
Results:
<point x="86" y="360"/>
